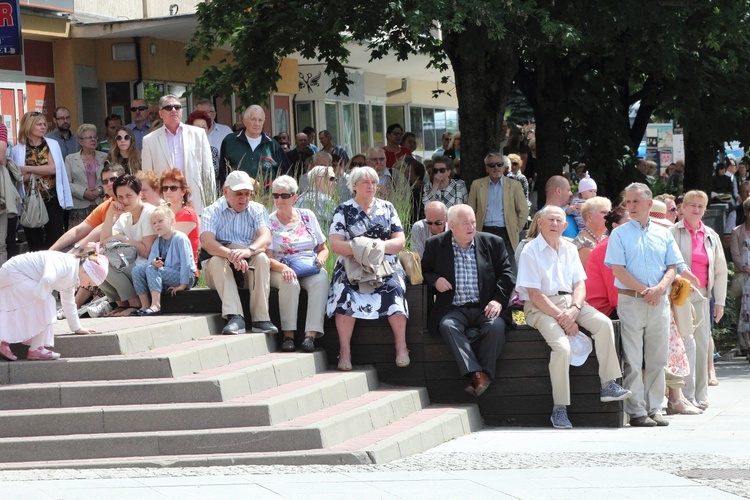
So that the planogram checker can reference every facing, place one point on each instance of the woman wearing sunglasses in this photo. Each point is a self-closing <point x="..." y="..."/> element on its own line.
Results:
<point x="176" y="192"/>
<point x="43" y="159"/>
<point x="126" y="152"/>
<point x="298" y="246"/>
<point x="443" y="187"/>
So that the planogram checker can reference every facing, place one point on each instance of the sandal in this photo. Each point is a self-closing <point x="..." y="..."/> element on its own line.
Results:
<point x="403" y="361"/>
<point x="308" y="345"/>
<point x="288" y="345"/>
<point x="6" y="352"/>
<point x="42" y="354"/>
<point x="117" y="311"/>
<point x="712" y="380"/>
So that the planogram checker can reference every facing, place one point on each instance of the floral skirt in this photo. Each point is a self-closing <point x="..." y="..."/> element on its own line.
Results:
<point x="387" y="300"/>
<point x="22" y="314"/>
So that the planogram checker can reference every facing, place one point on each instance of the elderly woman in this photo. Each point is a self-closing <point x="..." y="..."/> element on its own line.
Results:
<point x="318" y="196"/>
<point x="84" y="170"/>
<point x="443" y="187"/>
<point x="297" y="254"/>
<point x="133" y="228"/>
<point x="593" y="213"/>
<point x="175" y="191"/>
<point x="112" y="124"/>
<point x="126" y="152"/>
<point x="701" y="248"/>
<point x="36" y="156"/>
<point x="361" y="220"/>
<point x="740" y="234"/>
<point x="27" y="307"/>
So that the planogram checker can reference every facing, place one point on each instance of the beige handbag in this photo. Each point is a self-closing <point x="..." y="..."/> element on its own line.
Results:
<point x="412" y="265"/>
<point x="34" y="213"/>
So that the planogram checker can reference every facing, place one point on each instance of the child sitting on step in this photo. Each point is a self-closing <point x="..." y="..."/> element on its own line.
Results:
<point x="171" y="265"/>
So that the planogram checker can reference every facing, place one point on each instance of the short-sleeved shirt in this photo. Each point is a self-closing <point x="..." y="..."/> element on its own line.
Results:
<point x="229" y="225"/>
<point x="136" y="231"/>
<point x="644" y="252"/>
<point x="547" y="270"/>
<point x="303" y="236"/>
<point x="96" y="218"/>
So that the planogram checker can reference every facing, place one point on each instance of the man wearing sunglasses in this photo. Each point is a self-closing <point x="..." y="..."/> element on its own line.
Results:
<point x="435" y="222"/>
<point x="182" y="146"/>
<point x="140" y="124"/>
<point x="499" y="203"/>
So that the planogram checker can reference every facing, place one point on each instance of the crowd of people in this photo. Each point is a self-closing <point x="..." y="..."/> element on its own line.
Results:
<point x="145" y="218"/>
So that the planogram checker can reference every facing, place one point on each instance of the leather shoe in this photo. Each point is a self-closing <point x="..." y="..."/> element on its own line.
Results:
<point x="660" y="421"/>
<point x="481" y="383"/>
<point x="643" y="421"/>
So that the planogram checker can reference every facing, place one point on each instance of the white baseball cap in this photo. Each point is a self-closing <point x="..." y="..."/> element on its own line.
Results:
<point x="580" y="348"/>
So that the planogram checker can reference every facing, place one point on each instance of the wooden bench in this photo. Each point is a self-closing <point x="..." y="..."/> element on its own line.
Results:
<point x="521" y="394"/>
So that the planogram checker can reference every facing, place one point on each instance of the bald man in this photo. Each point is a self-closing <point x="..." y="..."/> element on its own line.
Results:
<point x="558" y="194"/>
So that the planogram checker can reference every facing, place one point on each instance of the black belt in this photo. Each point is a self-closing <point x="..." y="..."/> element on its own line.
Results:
<point x="564" y="293"/>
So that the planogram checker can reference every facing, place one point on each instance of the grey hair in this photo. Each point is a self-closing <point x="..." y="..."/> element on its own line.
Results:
<point x="641" y="188"/>
<point x="252" y="107"/>
<point x="438" y="205"/>
<point x="455" y="210"/>
<point x="322" y="158"/>
<point x="319" y="171"/>
<point x="358" y="173"/>
<point x="84" y="127"/>
<point x="375" y="149"/>
<point x="285" y="182"/>
<point x="505" y="159"/>
<point x="203" y="101"/>
<point x="163" y="100"/>
<point x="548" y="209"/>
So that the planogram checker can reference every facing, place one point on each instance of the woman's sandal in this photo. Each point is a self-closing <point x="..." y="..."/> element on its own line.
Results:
<point x="6" y="352"/>
<point x="116" y="312"/>
<point x="403" y="361"/>
<point x="345" y="366"/>
<point x="308" y="345"/>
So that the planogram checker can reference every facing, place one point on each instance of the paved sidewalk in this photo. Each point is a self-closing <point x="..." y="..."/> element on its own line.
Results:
<point x="705" y="456"/>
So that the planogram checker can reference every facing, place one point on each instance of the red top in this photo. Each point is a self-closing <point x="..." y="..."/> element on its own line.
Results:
<point x="187" y="214"/>
<point x="392" y="158"/>
<point x="601" y="293"/>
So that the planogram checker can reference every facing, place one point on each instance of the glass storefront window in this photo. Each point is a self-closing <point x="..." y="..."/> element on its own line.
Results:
<point x="395" y="114"/>
<point x="378" y="126"/>
<point x="304" y="115"/>
<point x="332" y="120"/>
<point x="364" y="128"/>
<point x="346" y="139"/>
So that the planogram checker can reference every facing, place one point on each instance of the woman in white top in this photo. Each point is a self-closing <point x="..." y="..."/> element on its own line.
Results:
<point x="298" y="245"/>
<point x="133" y="227"/>
<point x="27" y="307"/>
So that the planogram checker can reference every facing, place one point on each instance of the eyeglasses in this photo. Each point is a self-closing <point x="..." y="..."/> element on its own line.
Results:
<point x="107" y="181"/>
<point x="138" y="108"/>
<point x="125" y="137"/>
<point x="283" y="196"/>
<point x="358" y="164"/>
<point x="515" y="164"/>
<point x="440" y="170"/>
<point x="436" y="223"/>
<point x="497" y="164"/>
<point x="673" y="209"/>
<point x="88" y="138"/>
<point x="62" y="118"/>
<point x="172" y="188"/>
<point x="170" y="107"/>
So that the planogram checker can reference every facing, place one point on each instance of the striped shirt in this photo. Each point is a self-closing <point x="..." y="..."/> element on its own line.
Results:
<point x="467" y="284"/>
<point x="228" y="225"/>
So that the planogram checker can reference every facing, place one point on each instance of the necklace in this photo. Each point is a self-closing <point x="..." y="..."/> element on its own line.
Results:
<point x="597" y="240"/>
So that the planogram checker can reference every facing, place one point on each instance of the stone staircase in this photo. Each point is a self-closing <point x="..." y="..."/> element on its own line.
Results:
<point x="164" y="391"/>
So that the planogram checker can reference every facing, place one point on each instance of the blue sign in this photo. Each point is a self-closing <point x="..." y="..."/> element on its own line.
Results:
<point x="10" y="28"/>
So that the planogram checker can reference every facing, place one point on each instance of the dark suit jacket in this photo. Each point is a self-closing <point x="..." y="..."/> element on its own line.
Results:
<point x="496" y="280"/>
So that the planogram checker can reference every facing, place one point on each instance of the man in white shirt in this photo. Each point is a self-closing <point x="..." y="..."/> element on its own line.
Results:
<point x="551" y="280"/>
<point x="217" y="132"/>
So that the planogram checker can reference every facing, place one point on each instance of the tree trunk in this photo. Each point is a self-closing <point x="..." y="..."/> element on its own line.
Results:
<point x="545" y="89"/>
<point x="484" y="71"/>
<point x="699" y="157"/>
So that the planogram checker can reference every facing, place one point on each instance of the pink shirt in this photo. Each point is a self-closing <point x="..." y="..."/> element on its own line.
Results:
<point x="176" y="149"/>
<point x="601" y="293"/>
<point x="699" y="258"/>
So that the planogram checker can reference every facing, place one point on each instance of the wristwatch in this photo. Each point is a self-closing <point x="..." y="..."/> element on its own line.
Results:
<point x="576" y="306"/>
<point x="252" y="249"/>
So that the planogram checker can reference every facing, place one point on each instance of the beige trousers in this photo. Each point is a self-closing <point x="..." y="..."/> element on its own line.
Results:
<point x="645" y="340"/>
<point x="218" y="275"/>
<point x="592" y="320"/>
<point x="317" y="296"/>
<point x="696" y="382"/>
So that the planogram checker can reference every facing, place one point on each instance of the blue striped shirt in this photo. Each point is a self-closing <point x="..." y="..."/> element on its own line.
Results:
<point x="467" y="285"/>
<point x="228" y="225"/>
<point x="644" y="252"/>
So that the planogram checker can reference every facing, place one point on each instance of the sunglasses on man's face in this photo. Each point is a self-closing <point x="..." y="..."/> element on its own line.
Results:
<point x="170" y="107"/>
<point x="497" y="164"/>
<point x="436" y="223"/>
<point x="107" y="181"/>
<point x="440" y="170"/>
<point x="283" y="196"/>
<point x="138" y="108"/>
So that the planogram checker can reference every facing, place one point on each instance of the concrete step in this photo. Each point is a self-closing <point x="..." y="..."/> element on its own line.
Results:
<point x="265" y="408"/>
<point x="133" y="334"/>
<point x="415" y="433"/>
<point x="322" y="429"/>
<point x="222" y="383"/>
<point x="174" y="360"/>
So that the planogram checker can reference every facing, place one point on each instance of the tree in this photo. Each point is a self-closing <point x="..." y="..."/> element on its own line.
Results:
<point x="472" y="35"/>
